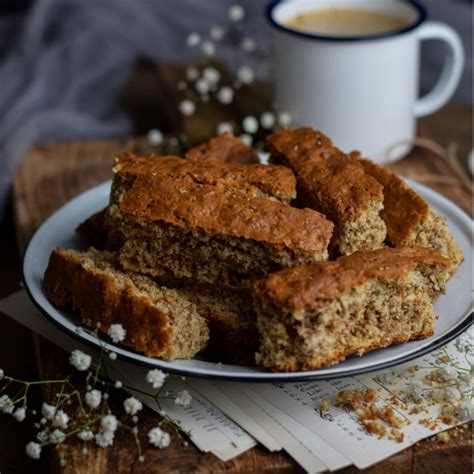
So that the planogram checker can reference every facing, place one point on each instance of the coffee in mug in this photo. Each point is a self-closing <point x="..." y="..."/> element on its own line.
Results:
<point x="345" y="22"/>
<point x="350" y="68"/>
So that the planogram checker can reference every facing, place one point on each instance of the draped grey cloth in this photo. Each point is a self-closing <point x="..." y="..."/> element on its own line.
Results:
<point x="63" y="64"/>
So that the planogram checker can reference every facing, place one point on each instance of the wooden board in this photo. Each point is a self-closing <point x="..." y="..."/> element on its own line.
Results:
<point x="52" y="174"/>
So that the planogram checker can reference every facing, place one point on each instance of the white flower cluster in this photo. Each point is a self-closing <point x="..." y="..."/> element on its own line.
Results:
<point x="245" y="75"/>
<point x="224" y="127"/>
<point x="56" y="425"/>
<point x="108" y="426"/>
<point x="80" y="360"/>
<point x="187" y="107"/>
<point x="183" y="398"/>
<point x="236" y="13"/>
<point x="6" y="405"/>
<point x="156" y="378"/>
<point x="33" y="450"/>
<point x="159" y="438"/>
<point x="93" y="398"/>
<point x="155" y="137"/>
<point x="216" y="33"/>
<point x="132" y="406"/>
<point x="61" y="419"/>
<point x="117" y="332"/>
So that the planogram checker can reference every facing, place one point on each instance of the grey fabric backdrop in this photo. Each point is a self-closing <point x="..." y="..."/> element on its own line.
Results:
<point x="63" y="63"/>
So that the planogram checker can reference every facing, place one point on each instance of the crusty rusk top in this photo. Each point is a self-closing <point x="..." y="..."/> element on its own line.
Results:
<point x="325" y="171"/>
<point x="404" y="210"/>
<point x="277" y="181"/>
<point x="304" y="287"/>
<point x="186" y="204"/>
<point x="225" y="147"/>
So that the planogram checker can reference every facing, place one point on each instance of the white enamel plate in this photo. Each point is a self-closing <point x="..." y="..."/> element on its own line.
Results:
<point x="453" y="309"/>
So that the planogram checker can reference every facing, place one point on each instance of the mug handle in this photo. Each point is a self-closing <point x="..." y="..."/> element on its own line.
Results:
<point x="452" y="69"/>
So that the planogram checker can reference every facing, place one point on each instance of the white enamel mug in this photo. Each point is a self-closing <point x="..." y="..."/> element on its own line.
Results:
<point x="361" y="91"/>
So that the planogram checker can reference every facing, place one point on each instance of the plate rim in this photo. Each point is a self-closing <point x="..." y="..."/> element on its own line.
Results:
<point x="257" y="377"/>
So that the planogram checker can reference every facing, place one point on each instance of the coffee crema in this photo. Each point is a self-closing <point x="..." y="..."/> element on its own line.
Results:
<point x="345" y="22"/>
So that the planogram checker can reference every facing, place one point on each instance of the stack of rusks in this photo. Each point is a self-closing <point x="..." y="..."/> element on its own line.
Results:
<point x="291" y="266"/>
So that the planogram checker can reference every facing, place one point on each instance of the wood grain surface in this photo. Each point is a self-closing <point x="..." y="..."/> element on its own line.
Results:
<point x="52" y="174"/>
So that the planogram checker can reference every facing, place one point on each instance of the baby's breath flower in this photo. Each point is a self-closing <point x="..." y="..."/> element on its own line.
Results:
<point x="181" y="85"/>
<point x="208" y="48"/>
<point x="33" y="450"/>
<point x="132" y="406"/>
<point x="57" y="437"/>
<point x="43" y="421"/>
<point x="80" y="360"/>
<point x="6" y="404"/>
<point x="250" y="124"/>
<point x="48" y="411"/>
<point x="224" y="127"/>
<point x="187" y="107"/>
<point x="248" y="45"/>
<point x="236" y="13"/>
<point x="245" y="75"/>
<point x="211" y="74"/>
<point x="61" y="419"/>
<point x="135" y="419"/>
<point x="284" y="119"/>
<point x="84" y="451"/>
<point x="159" y="438"/>
<point x="225" y="95"/>
<point x="116" y="332"/>
<point x="109" y="423"/>
<point x="105" y="396"/>
<point x="19" y="414"/>
<point x="203" y="86"/>
<point x="183" y="398"/>
<point x="246" y="138"/>
<point x="42" y="437"/>
<point x="85" y="435"/>
<point x="112" y="355"/>
<point x="141" y="458"/>
<point x="216" y="33"/>
<point x="118" y="384"/>
<point x="2" y="374"/>
<point x="193" y="39"/>
<point x="104" y="438"/>
<point x="156" y="377"/>
<point x="93" y="398"/>
<point x="267" y="120"/>
<point x="192" y="73"/>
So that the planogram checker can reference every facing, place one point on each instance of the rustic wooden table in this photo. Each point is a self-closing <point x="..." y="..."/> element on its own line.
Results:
<point x="52" y="174"/>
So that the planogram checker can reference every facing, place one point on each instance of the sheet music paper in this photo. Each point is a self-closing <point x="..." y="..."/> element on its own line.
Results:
<point x="340" y="428"/>
<point x="308" y="449"/>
